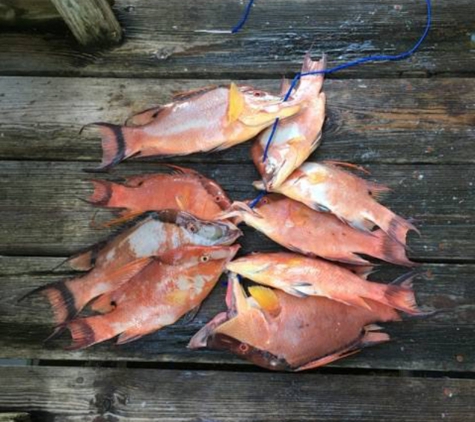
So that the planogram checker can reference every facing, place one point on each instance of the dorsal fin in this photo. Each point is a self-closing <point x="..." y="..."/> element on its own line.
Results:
<point x="186" y="95"/>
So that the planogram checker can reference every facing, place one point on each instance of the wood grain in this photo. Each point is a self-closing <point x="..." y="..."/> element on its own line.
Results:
<point x="92" y="22"/>
<point x="441" y="342"/>
<point x="383" y="121"/>
<point x="101" y="394"/>
<point x="161" y="40"/>
<point x="15" y="417"/>
<point x="41" y="212"/>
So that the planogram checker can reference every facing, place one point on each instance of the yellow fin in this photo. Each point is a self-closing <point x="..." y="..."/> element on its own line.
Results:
<point x="317" y="177"/>
<point x="180" y="203"/>
<point x="295" y="141"/>
<point x="266" y="298"/>
<point x="236" y="103"/>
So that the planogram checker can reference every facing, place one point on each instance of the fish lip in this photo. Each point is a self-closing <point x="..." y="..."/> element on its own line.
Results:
<point x="200" y="339"/>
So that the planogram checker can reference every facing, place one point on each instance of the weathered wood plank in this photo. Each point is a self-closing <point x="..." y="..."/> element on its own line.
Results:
<point x="93" y="394"/>
<point x="162" y="40"/>
<point x="430" y="121"/>
<point x="41" y="213"/>
<point x="442" y="342"/>
<point x="92" y="22"/>
<point x="26" y="13"/>
<point x="15" y="417"/>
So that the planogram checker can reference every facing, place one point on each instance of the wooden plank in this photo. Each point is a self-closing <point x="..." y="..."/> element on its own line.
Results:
<point x="93" y="394"/>
<point x="431" y="121"/>
<point x="14" y="417"/>
<point x="92" y="22"/>
<point x="27" y="13"/>
<point x="41" y="212"/>
<point x="162" y="40"/>
<point x="442" y="342"/>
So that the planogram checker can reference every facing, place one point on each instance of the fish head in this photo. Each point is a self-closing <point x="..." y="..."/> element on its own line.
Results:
<point x="203" y="256"/>
<point x="257" y="108"/>
<point x="244" y="330"/>
<point x="255" y="267"/>
<point x="208" y="233"/>
<point x="217" y="193"/>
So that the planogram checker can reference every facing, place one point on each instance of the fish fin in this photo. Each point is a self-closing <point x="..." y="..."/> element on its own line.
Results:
<point x="400" y="295"/>
<point x="129" y="270"/>
<point x="104" y="303"/>
<point x="376" y="190"/>
<point x="114" y="144"/>
<point x="143" y="117"/>
<point x="126" y="216"/>
<point x="392" y="251"/>
<point x="60" y="298"/>
<point x="316" y="142"/>
<point x="317" y="177"/>
<point x="86" y="332"/>
<point x="186" y="95"/>
<point x="190" y="316"/>
<point x="328" y="359"/>
<point x="296" y="140"/>
<point x="371" y="337"/>
<point x="362" y="271"/>
<point x="310" y="65"/>
<point x="348" y="165"/>
<point x="360" y="302"/>
<point x="180" y="203"/>
<point x="398" y="229"/>
<point x="85" y="260"/>
<point x="259" y="184"/>
<point x="266" y="298"/>
<point x="236" y="103"/>
<point x="103" y="190"/>
<point x="128" y="337"/>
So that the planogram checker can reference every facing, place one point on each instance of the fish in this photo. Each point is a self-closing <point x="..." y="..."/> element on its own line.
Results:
<point x="203" y="120"/>
<point x="183" y="190"/>
<point x="169" y="287"/>
<point x="281" y="332"/>
<point x="296" y="137"/>
<point x="316" y="234"/>
<point x="326" y="187"/>
<point x="116" y="260"/>
<point x="303" y="276"/>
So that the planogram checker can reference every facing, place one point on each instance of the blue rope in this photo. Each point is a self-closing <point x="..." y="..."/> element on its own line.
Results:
<point x="244" y="17"/>
<point x="257" y="199"/>
<point x="357" y="62"/>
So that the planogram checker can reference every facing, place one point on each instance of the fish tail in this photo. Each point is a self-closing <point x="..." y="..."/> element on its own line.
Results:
<point x="61" y="298"/>
<point x="395" y="226"/>
<point x="102" y="194"/>
<point x="116" y="144"/>
<point x="86" y="332"/>
<point x="387" y="249"/>
<point x="400" y="295"/>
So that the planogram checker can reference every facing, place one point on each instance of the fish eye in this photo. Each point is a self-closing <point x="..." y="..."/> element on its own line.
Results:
<point x="192" y="228"/>
<point x="217" y="198"/>
<point x="265" y="201"/>
<point x="258" y="94"/>
<point x="204" y="258"/>
<point x="243" y="347"/>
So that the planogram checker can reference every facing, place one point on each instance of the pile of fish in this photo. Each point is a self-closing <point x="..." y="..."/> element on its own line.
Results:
<point x="308" y="306"/>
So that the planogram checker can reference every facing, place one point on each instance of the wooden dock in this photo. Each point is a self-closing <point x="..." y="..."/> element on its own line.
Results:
<point x="411" y="123"/>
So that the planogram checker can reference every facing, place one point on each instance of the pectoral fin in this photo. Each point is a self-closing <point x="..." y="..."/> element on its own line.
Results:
<point x="266" y="298"/>
<point x="236" y="103"/>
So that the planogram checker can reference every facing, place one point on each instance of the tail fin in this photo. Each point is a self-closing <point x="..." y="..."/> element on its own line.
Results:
<point x="391" y="251"/>
<point x="398" y="229"/>
<point x="102" y="194"/>
<point x="86" y="332"/>
<point x="63" y="303"/>
<point x="400" y="295"/>
<point x="114" y="145"/>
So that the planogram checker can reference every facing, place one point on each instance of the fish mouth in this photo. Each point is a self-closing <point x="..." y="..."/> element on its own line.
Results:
<point x="200" y="339"/>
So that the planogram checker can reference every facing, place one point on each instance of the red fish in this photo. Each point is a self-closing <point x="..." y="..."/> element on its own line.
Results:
<point x="162" y="293"/>
<point x="184" y="190"/>
<point x="208" y="119"/>
<point x="325" y="187"/>
<point x="118" y="259"/>
<point x="302" y="276"/>
<point x="301" y="229"/>
<point x="278" y="331"/>
<point x="296" y="137"/>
